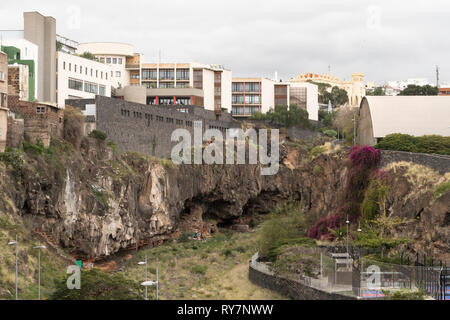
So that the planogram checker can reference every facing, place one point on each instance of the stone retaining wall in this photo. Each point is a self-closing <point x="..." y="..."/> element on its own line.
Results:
<point x="440" y="163"/>
<point x="290" y="288"/>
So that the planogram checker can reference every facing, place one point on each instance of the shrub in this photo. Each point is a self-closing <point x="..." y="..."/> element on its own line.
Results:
<point x="37" y="148"/>
<point x="316" y="151"/>
<point x="199" y="269"/>
<point x="227" y="252"/>
<point x="441" y="190"/>
<point x="317" y="169"/>
<point x="96" y="134"/>
<point x="13" y="157"/>
<point x="184" y="237"/>
<point x="330" y="133"/>
<point x="424" y="144"/>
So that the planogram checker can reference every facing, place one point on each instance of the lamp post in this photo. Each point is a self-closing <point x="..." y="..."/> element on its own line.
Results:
<point x="16" y="243"/>
<point x="347" y="222"/>
<point x="39" y="247"/>
<point x="146" y="274"/>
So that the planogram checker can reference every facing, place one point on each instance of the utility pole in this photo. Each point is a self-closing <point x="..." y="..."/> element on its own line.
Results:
<point x="437" y="76"/>
<point x="16" y="243"/>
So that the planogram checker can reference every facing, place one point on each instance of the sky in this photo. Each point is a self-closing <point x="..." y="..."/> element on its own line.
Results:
<point x="385" y="40"/>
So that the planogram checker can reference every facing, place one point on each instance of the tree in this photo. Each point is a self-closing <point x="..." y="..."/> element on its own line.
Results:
<point x="377" y="92"/>
<point x="413" y="90"/>
<point x="87" y="55"/>
<point x="338" y="96"/>
<point x="99" y="285"/>
<point x="285" y="116"/>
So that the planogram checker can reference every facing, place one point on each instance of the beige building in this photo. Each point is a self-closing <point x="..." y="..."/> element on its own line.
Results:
<point x="213" y="81"/>
<point x="3" y="99"/>
<point x="413" y="115"/>
<point x="250" y="95"/>
<point x="355" y="88"/>
<point x="18" y="81"/>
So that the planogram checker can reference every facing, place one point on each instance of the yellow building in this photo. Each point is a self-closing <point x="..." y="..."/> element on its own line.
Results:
<point x="355" y="88"/>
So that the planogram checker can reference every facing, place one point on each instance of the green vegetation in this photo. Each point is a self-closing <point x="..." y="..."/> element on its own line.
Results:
<point x="377" y="92"/>
<point x="404" y="294"/>
<point x="199" y="269"/>
<point x="316" y="151"/>
<point x="337" y="96"/>
<point x="374" y="199"/>
<point x="330" y="133"/>
<point x="441" y="190"/>
<point x="99" y="285"/>
<point x="413" y="90"/>
<point x="285" y="116"/>
<point x="425" y="144"/>
<point x="327" y="118"/>
<point x="13" y="159"/>
<point x="96" y="134"/>
<point x="101" y="196"/>
<point x="285" y="227"/>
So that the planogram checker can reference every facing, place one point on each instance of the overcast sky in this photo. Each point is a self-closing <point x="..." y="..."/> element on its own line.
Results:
<point x="385" y="40"/>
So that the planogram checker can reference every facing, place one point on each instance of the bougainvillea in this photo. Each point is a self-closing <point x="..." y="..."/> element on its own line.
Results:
<point x="364" y="161"/>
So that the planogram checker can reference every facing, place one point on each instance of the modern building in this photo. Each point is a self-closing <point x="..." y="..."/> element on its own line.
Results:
<point x="124" y="62"/>
<point x="213" y="81"/>
<point x="413" y="115"/>
<point x="250" y="95"/>
<point x="444" y="90"/>
<point x="79" y="78"/>
<point x="36" y="42"/>
<point x="355" y="88"/>
<point x="3" y="100"/>
<point x="66" y="45"/>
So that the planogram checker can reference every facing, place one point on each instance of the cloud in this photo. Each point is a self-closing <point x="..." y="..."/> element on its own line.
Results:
<point x="385" y="40"/>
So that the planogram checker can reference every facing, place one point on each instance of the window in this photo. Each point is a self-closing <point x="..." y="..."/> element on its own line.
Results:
<point x="102" y="59"/>
<point x="70" y="67"/>
<point x="101" y="75"/>
<point x="182" y="85"/>
<point x="75" y="68"/>
<point x="252" y="87"/>
<point x="166" y="85"/>
<point x="40" y="109"/>
<point x="114" y="60"/>
<point x="96" y="73"/>
<point x="237" y="87"/>
<point x="135" y="76"/>
<point x="182" y="74"/>
<point x="252" y="99"/>
<point x="118" y="74"/>
<point x="119" y="60"/>
<point x="85" y="70"/>
<point x="166" y="74"/>
<point x="149" y="84"/>
<point x="64" y="65"/>
<point x="149" y="74"/>
<point x="106" y="74"/>
<point x="3" y="98"/>
<point x="166" y="100"/>
<point x="101" y="90"/>
<point x="92" y="72"/>
<point x="183" y="101"/>
<point x="75" y="84"/>
<point x="90" y="87"/>
<point x="81" y="69"/>
<point x="198" y="78"/>
<point x="237" y="99"/>
<point x="108" y="60"/>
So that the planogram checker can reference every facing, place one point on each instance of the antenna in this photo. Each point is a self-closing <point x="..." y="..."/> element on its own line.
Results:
<point x="437" y="76"/>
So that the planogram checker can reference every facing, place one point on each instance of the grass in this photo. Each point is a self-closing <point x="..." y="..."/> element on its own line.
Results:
<point x="203" y="269"/>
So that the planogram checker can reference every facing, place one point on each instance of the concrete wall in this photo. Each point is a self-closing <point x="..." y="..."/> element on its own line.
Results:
<point x="41" y="31"/>
<point x="267" y="95"/>
<point x="147" y="129"/>
<point x="18" y="81"/>
<point x="227" y="78"/>
<point x="208" y="89"/>
<point x="365" y="128"/>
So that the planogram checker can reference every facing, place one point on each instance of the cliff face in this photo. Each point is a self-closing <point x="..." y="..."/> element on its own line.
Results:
<point x="95" y="203"/>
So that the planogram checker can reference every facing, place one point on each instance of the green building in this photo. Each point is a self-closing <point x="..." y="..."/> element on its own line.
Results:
<point x="14" y="57"/>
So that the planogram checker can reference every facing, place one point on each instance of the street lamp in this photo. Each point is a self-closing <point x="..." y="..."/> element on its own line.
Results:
<point x="16" y="243"/>
<point x="39" y="247"/>
<point x="141" y="263"/>
<point x="347" y="222"/>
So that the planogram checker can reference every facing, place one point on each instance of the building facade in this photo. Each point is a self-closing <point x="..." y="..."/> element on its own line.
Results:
<point x="355" y="88"/>
<point x="125" y="64"/>
<point x="79" y="78"/>
<point x="213" y="80"/>
<point x="250" y="95"/>
<point x="3" y="100"/>
<point x="24" y="53"/>
<point x="414" y="115"/>
<point x="18" y="81"/>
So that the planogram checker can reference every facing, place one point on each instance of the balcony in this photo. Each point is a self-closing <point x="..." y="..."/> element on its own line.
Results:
<point x="132" y="66"/>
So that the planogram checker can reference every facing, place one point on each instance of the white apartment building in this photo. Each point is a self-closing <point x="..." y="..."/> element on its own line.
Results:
<point x="80" y="78"/>
<point x="125" y="64"/>
<point x="251" y="95"/>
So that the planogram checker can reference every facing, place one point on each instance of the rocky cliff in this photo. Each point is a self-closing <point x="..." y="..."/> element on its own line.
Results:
<point x="94" y="202"/>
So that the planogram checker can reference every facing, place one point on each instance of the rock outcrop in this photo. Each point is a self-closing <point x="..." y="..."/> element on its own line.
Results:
<point x="94" y="203"/>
